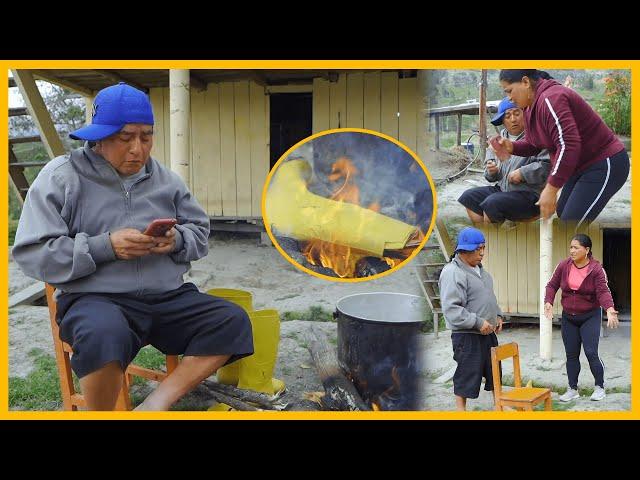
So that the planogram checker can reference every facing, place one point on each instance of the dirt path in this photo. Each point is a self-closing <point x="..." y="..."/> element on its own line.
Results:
<point x="240" y="262"/>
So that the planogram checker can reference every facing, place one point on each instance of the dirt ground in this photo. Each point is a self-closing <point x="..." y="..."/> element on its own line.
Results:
<point x="240" y="261"/>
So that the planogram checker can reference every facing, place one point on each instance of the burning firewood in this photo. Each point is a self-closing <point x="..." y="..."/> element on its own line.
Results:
<point x="340" y="392"/>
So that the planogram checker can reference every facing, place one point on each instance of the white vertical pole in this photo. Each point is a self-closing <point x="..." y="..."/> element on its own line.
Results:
<point x="546" y="268"/>
<point x="179" y="114"/>
<point x="88" y="110"/>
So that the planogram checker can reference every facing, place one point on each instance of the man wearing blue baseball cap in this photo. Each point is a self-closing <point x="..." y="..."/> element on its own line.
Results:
<point x="519" y="179"/>
<point x="118" y="289"/>
<point x="472" y="313"/>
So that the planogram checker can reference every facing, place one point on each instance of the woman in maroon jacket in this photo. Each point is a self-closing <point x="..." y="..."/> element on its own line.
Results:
<point x="584" y="290"/>
<point x="588" y="161"/>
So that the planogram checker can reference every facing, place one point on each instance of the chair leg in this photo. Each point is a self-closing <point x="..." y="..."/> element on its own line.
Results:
<point x="124" y="399"/>
<point x="548" y="404"/>
<point x="172" y="363"/>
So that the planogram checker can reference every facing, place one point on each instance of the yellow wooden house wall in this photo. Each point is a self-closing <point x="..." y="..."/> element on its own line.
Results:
<point x="230" y="130"/>
<point x="513" y="259"/>
<point x="379" y="101"/>
<point x="229" y="145"/>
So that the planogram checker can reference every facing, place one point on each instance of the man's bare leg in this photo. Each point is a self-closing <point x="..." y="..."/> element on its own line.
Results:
<point x="101" y="388"/>
<point x="474" y="217"/>
<point x="189" y="373"/>
<point x="461" y="403"/>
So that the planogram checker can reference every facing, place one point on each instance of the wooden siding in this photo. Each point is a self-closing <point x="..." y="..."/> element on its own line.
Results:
<point x="229" y="145"/>
<point x="230" y="130"/>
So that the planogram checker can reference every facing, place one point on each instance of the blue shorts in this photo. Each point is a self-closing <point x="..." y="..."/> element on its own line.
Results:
<point x="472" y="352"/>
<point x="500" y="206"/>
<point x="107" y="327"/>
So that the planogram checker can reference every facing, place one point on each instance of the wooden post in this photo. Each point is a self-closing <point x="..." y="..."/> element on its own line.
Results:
<point x="179" y="115"/>
<point x="88" y="110"/>
<point x="482" y="144"/>
<point x="546" y="268"/>
<point x="437" y="132"/>
<point x="38" y="110"/>
<point x="422" y="115"/>
<point x="459" y="130"/>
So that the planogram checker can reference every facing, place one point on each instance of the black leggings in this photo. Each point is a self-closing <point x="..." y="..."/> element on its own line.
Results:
<point x="586" y="193"/>
<point x="583" y="330"/>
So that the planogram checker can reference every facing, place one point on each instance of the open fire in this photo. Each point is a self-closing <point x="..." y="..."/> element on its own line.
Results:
<point x="345" y="261"/>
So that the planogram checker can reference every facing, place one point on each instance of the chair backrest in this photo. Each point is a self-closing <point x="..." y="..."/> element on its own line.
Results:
<point x="502" y="352"/>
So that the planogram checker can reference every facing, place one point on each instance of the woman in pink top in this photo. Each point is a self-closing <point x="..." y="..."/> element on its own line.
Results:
<point x="588" y="161"/>
<point x="584" y="287"/>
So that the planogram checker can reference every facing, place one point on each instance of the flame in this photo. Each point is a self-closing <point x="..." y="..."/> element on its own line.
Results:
<point x="375" y="407"/>
<point x="341" y="259"/>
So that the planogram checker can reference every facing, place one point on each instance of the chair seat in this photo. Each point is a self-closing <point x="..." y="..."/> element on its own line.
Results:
<point x="525" y="394"/>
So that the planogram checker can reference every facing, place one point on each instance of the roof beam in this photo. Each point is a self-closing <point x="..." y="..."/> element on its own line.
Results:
<point x="196" y="82"/>
<point x="18" y="111"/>
<point x="117" y="78"/>
<point x="39" y="113"/>
<point x="51" y="78"/>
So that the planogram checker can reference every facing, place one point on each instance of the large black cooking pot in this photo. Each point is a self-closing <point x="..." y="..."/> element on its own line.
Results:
<point x="379" y="347"/>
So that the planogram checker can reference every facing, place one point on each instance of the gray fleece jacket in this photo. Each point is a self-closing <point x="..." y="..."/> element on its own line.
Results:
<point x="73" y="204"/>
<point x="534" y="170"/>
<point x="467" y="299"/>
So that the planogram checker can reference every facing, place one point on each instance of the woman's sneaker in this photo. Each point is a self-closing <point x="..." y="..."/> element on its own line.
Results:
<point x="569" y="395"/>
<point x="598" y="394"/>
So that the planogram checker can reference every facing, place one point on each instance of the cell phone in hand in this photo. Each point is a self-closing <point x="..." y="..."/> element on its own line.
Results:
<point x="160" y="226"/>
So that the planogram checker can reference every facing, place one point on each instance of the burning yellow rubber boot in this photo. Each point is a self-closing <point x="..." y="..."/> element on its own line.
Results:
<point x="229" y="373"/>
<point x="296" y="212"/>
<point x="256" y="371"/>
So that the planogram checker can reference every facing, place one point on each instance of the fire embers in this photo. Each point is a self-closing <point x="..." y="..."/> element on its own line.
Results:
<point x="348" y="205"/>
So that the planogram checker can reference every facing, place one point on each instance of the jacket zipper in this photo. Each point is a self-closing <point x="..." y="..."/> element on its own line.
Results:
<point x="574" y="292"/>
<point x="138" y="260"/>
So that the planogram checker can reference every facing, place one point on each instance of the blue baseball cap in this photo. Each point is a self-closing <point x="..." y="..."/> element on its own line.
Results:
<point x="505" y="105"/>
<point x="113" y="108"/>
<point x="469" y="239"/>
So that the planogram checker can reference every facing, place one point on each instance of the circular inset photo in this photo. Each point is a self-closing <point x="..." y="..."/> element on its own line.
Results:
<point x="349" y="204"/>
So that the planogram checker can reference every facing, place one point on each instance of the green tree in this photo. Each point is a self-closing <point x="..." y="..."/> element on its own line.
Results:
<point x="67" y="111"/>
<point x="615" y="106"/>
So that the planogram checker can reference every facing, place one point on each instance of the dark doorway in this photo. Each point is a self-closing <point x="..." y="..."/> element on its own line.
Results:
<point x="616" y="261"/>
<point x="291" y="121"/>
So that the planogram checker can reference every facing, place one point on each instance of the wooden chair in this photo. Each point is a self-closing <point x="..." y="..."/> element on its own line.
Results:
<point x="72" y="399"/>
<point x="520" y="397"/>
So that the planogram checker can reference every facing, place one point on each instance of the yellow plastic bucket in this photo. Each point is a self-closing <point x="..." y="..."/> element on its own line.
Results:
<point x="239" y="297"/>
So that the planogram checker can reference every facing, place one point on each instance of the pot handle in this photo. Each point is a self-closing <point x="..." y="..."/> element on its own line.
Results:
<point x="336" y="315"/>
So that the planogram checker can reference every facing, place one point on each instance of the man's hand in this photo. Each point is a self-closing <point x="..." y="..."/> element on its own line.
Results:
<point x="166" y="244"/>
<point x="612" y="317"/>
<point x="548" y="311"/>
<point x="492" y="168"/>
<point x="502" y="146"/>
<point x="499" y="324"/>
<point x="516" y="177"/>
<point x="548" y="201"/>
<point x="129" y="243"/>
<point x="486" y="328"/>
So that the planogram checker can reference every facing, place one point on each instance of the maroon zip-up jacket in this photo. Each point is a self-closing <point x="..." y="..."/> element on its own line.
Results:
<point x="593" y="293"/>
<point x="561" y="121"/>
